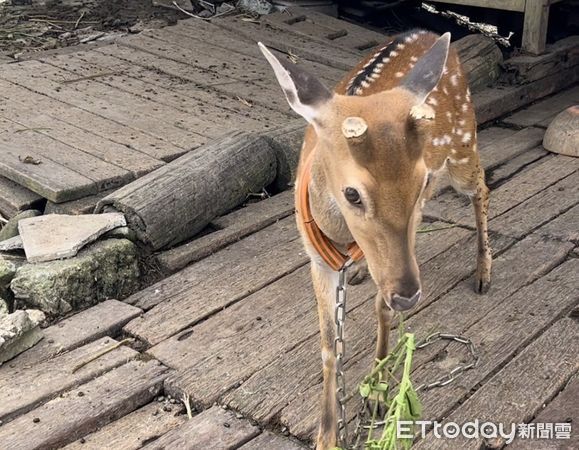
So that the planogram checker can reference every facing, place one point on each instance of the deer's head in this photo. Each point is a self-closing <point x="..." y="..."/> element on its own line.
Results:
<point x="370" y="149"/>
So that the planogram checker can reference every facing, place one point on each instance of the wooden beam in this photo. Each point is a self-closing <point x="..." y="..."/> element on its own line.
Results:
<point x="535" y="26"/>
<point x="505" y="5"/>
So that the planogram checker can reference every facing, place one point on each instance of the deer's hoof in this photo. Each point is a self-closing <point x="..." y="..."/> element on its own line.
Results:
<point x="482" y="284"/>
<point x="357" y="273"/>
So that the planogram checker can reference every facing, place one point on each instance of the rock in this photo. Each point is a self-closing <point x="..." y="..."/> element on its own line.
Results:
<point x="14" y="243"/>
<point x="260" y="7"/>
<point x="3" y="307"/>
<point x="11" y="228"/>
<point x="18" y="332"/>
<point x="58" y="236"/>
<point x="106" y="269"/>
<point x="562" y="135"/>
<point x="7" y="271"/>
<point x="121" y="233"/>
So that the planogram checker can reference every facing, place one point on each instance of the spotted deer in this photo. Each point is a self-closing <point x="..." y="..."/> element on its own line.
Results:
<point x="371" y="153"/>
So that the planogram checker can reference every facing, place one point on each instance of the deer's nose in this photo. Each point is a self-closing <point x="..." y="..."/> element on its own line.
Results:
<point x="400" y="303"/>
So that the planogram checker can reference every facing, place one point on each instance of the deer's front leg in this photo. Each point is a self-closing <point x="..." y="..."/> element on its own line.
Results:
<point x="480" y="201"/>
<point x="325" y="283"/>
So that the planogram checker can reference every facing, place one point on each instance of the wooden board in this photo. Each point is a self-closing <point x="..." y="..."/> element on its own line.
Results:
<point x="24" y="389"/>
<point x="564" y="227"/>
<point x="541" y="113"/>
<point x="294" y="397"/>
<point x="105" y="319"/>
<point x="171" y="91"/>
<point x="540" y="209"/>
<point x="133" y="161"/>
<point x="300" y="46"/>
<point x="528" y="381"/>
<point x="504" y="331"/>
<point x="106" y="102"/>
<point x="562" y="409"/>
<point x="71" y="416"/>
<point x="217" y="281"/>
<point x="85" y="205"/>
<point x="212" y="429"/>
<point x="228" y="229"/>
<point x="132" y="431"/>
<point x="268" y="440"/>
<point x="93" y="123"/>
<point x="15" y="198"/>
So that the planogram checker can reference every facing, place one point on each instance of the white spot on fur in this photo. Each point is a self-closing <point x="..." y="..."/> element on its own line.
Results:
<point x="457" y="96"/>
<point x="399" y="74"/>
<point x="459" y="132"/>
<point x="474" y="148"/>
<point x="466" y="138"/>
<point x="413" y="58"/>
<point x="386" y="60"/>
<point x="378" y="67"/>
<point x="453" y="151"/>
<point x="432" y="101"/>
<point x="447" y="139"/>
<point x="454" y="80"/>
<point x="375" y="75"/>
<point x="411" y="65"/>
<point x="365" y="84"/>
<point x="449" y="116"/>
<point x="445" y="90"/>
<point x="462" y="122"/>
<point x="464" y="107"/>
<point x="400" y="46"/>
<point x="393" y="54"/>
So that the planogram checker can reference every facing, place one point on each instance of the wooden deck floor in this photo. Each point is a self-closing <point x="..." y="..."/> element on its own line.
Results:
<point x="235" y="334"/>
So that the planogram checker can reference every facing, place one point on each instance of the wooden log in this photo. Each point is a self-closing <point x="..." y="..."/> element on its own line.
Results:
<point x="481" y="59"/>
<point x="15" y="198"/>
<point x="562" y="136"/>
<point x="178" y="200"/>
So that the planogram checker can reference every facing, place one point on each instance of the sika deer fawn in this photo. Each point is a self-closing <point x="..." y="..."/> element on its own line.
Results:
<point x="370" y="156"/>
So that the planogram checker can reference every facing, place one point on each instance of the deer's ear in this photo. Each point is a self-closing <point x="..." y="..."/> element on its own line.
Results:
<point x="428" y="70"/>
<point x="303" y="91"/>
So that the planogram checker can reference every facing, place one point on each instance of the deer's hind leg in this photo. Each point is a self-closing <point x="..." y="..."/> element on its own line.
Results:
<point x="468" y="177"/>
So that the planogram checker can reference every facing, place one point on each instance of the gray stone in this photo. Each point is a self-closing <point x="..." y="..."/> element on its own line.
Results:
<point x="10" y="229"/>
<point x="7" y="271"/>
<point x="11" y="244"/>
<point x="260" y="7"/>
<point x="18" y="332"/>
<point x="3" y="307"/>
<point x="59" y="236"/>
<point x="104" y="270"/>
<point x="121" y="233"/>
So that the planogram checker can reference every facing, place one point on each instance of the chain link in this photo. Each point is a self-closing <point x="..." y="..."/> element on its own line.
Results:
<point x="340" y="353"/>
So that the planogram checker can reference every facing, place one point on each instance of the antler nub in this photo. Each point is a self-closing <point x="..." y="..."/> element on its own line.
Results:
<point x="354" y="127"/>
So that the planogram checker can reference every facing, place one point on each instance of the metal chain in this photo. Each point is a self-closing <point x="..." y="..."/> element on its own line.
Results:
<point x="454" y="373"/>
<point x="340" y="353"/>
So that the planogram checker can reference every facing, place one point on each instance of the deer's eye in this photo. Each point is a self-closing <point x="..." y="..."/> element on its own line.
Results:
<point x="352" y="196"/>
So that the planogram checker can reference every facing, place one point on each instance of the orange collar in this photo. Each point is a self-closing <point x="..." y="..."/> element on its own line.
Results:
<point x="321" y="243"/>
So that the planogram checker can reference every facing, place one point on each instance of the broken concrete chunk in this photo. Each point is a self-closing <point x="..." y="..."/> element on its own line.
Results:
<point x="18" y="332"/>
<point x="106" y="269"/>
<point x="10" y="229"/>
<point x="58" y="236"/>
<point x="7" y="271"/>
<point x="9" y="245"/>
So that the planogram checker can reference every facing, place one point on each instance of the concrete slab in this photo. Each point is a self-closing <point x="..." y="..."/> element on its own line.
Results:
<point x="58" y="236"/>
<point x="18" y="332"/>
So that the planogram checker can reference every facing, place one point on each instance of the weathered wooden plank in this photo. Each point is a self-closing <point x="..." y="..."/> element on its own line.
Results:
<point x="558" y="56"/>
<point x="264" y="325"/>
<point x="15" y="198"/>
<point x="85" y="205"/>
<point x="563" y="409"/>
<point x="481" y="59"/>
<point x="529" y="182"/>
<point x="265" y="395"/>
<point x="172" y="204"/>
<point x="212" y="429"/>
<point x="105" y="319"/>
<point x="528" y="381"/>
<point x="93" y="123"/>
<point x="541" y="113"/>
<point x="540" y="209"/>
<point x="504" y="331"/>
<point x="536" y="21"/>
<point x="25" y="389"/>
<point x="512" y="5"/>
<point x="217" y="281"/>
<point x="192" y="77"/>
<point x="501" y="173"/>
<point x="155" y="85"/>
<point x="268" y="440"/>
<point x="106" y="102"/>
<point x="132" y="431"/>
<point x="324" y="28"/>
<point x="564" y="227"/>
<point x="300" y="46"/>
<point x="228" y="229"/>
<point x="229" y="40"/>
<point x="498" y="101"/>
<point x="71" y="416"/>
<point x="68" y="135"/>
